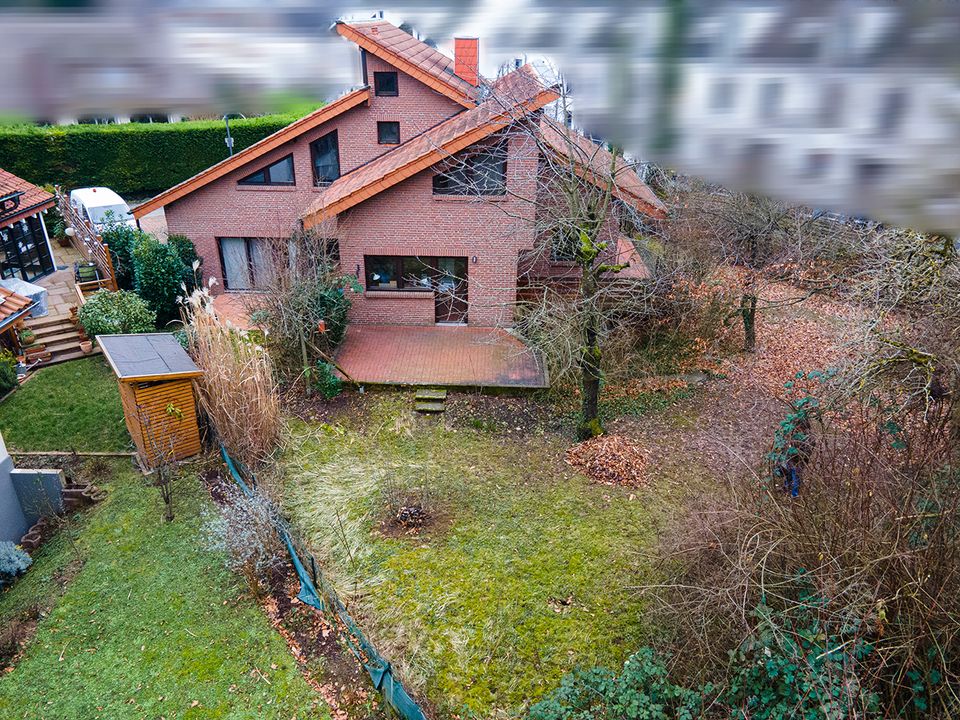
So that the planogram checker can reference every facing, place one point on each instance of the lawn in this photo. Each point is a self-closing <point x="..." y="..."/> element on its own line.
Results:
<point x="151" y="625"/>
<point x="71" y="406"/>
<point x="525" y="571"/>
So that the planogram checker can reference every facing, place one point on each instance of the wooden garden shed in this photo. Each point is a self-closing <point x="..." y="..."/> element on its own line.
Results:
<point x="156" y="387"/>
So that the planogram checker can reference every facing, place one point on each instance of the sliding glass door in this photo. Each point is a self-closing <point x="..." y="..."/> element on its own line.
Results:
<point x="24" y="251"/>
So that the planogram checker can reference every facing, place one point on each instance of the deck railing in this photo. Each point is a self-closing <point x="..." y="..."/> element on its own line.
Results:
<point x="87" y="241"/>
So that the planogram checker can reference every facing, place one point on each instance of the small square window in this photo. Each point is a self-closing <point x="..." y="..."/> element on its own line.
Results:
<point x="385" y="84"/>
<point x="388" y="133"/>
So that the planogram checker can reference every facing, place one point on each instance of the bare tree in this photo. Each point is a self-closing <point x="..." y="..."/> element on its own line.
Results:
<point x="302" y="303"/>
<point x="760" y="239"/>
<point x="161" y="457"/>
<point x="585" y="207"/>
<point x="907" y="284"/>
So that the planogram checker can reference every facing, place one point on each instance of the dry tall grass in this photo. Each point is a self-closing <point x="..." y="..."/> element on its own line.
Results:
<point x="237" y="390"/>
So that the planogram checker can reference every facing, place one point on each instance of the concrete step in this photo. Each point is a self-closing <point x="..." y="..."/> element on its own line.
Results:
<point x="37" y="324"/>
<point x="431" y="394"/>
<point x="66" y="344"/>
<point x="58" y="336"/>
<point x="429" y="407"/>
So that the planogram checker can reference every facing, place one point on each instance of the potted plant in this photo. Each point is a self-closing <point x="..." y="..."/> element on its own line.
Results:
<point x="60" y="233"/>
<point x="27" y="337"/>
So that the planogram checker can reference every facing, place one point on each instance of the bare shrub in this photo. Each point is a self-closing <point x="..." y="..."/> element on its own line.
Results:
<point x="244" y="529"/>
<point x="409" y="505"/>
<point x="237" y="389"/>
<point x="97" y="470"/>
<point x="303" y="306"/>
<point x="865" y="563"/>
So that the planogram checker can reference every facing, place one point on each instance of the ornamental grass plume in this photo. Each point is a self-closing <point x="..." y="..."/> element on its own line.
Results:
<point x="237" y="389"/>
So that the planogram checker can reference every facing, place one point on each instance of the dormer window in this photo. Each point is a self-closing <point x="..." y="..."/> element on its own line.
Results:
<point x="385" y="84"/>
<point x="325" y="152"/>
<point x="279" y="173"/>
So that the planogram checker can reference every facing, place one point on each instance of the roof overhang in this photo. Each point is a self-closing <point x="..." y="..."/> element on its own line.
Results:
<point x="147" y="357"/>
<point x="271" y="142"/>
<point x="26" y="212"/>
<point x="405" y="65"/>
<point x="320" y="211"/>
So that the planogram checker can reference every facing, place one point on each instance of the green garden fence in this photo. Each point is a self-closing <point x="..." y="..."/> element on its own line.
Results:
<point x="316" y="592"/>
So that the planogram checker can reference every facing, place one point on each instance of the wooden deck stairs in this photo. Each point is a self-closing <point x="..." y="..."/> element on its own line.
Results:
<point x="57" y="340"/>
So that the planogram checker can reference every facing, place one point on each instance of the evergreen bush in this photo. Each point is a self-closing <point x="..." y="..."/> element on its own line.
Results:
<point x="134" y="159"/>
<point x="121" y="239"/>
<point x="14" y="562"/>
<point x="158" y="277"/>
<point x="8" y="372"/>
<point x="112" y="313"/>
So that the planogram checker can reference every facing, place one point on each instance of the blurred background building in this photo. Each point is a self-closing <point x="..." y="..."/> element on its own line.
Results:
<point x="851" y="106"/>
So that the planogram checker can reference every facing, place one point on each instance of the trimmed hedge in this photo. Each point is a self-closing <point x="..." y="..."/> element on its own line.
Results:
<point x="134" y="159"/>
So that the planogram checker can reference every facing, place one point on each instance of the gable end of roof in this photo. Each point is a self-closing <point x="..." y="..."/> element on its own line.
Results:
<point x="258" y="149"/>
<point x="426" y="65"/>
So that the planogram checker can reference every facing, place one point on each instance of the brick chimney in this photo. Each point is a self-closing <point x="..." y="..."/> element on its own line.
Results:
<point x="466" y="59"/>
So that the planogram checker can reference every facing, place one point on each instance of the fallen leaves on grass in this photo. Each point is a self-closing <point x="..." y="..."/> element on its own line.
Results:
<point x="610" y="460"/>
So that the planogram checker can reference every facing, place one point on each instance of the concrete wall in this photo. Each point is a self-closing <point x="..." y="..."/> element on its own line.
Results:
<point x="26" y="496"/>
<point x="13" y="521"/>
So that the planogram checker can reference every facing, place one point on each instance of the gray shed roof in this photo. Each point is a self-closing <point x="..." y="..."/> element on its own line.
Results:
<point x="147" y="356"/>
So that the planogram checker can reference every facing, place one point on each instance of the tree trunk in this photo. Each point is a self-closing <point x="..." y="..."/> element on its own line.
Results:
<point x="748" y="309"/>
<point x="590" y="387"/>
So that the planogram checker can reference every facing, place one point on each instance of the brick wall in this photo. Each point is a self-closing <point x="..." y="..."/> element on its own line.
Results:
<point x="224" y="209"/>
<point x="408" y="219"/>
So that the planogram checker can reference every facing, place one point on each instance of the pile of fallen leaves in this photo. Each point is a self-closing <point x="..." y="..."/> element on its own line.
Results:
<point x="610" y="460"/>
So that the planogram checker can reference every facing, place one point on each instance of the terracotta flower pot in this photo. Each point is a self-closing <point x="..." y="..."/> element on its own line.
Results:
<point x="86" y="346"/>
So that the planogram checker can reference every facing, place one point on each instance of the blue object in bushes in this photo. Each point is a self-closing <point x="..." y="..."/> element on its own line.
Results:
<point x="14" y="562"/>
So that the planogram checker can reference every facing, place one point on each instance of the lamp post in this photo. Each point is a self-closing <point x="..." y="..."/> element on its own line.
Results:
<point x="229" y="139"/>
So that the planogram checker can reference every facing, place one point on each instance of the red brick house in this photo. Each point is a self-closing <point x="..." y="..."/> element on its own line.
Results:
<point x="368" y="170"/>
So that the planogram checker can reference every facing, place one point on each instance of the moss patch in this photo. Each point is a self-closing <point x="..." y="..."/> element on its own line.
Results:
<point x="525" y="574"/>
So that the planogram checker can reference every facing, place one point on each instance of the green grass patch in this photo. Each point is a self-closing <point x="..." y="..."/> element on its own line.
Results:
<point x="71" y="406"/>
<point x="525" y="573"/>
<point x="152" y="625"/>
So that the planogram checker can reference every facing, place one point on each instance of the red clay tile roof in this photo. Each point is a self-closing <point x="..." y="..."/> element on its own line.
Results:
<point x="12" y="306"/>
<point x="516" y="95"/>
<point x="626" y="254"/>
<point x="33" y="200"/>
<point x="412" y="56"/>
<point x="593" y="163"/>
<point x="271" y="142"/>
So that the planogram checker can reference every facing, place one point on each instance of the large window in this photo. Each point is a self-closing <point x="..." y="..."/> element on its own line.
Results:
<point x="326" y="159"/>
<point x="24" y="252"/>
<point x="482" y="173"/>
<point x="279" y="173"/>
<point x="388" y="133"/>
<point x="385" y="84"/>
<point x="393" y="272"/>
<point x="246" y="263"/>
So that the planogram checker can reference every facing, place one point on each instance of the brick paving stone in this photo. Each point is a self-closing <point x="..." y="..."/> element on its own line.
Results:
<point x="438" y="355"/>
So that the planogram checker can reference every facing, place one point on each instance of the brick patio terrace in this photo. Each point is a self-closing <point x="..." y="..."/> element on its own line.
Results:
<point x="451" y="355"/>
